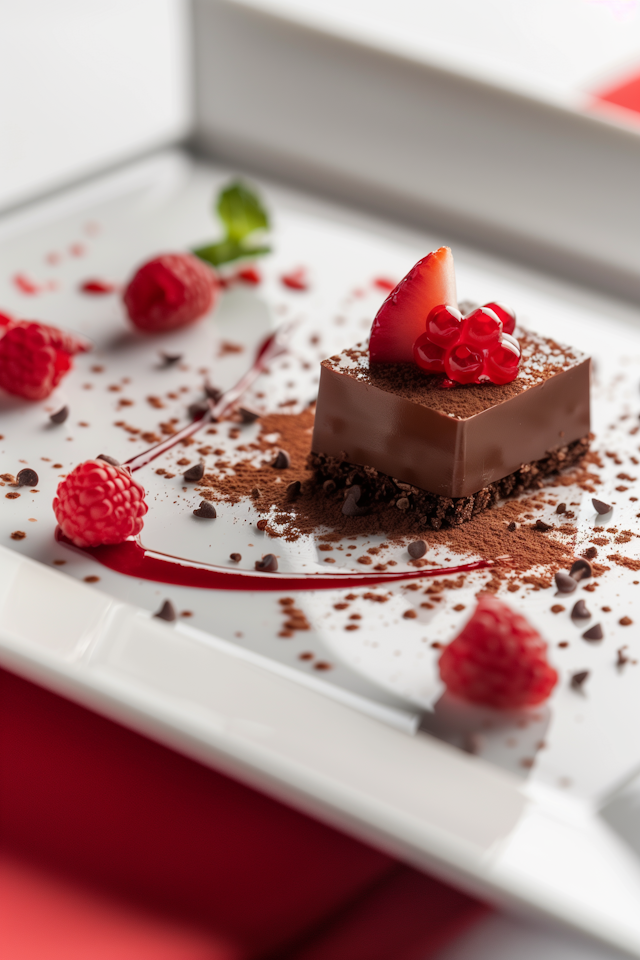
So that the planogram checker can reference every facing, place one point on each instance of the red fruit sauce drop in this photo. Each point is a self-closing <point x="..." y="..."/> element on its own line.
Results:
<point x="296" y="279"/>
<point x="383" y="283"/>
<point x="97" y="288"/>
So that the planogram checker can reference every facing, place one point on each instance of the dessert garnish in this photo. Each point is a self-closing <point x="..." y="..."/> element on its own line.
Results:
<point x="417" y="549"/>
<point x="167" y="612"/>
<point x="34" y="357"/>
<point x="244" y="218"/>
<point x="594" y="633"/>
<point x="471" y="349"/>
<point x="169" y="292"/>
<point x="581" y="569"/>
<point x="27" y="478"/>
<point x="282" y="460"/>
<point x="268" y="563"/>
<point x="600" y="507"/>
<point x="206" y="511"/>
<point x="60" y="415"/>
<point x="400" y="320"/>
<point x="580" y="611"/>
<point x="565" y="583"/>
<point x="194" y="473"/>
<point x="99" y="503"/>
<point x="498" y="659"/>
<point x="578" y="679"/>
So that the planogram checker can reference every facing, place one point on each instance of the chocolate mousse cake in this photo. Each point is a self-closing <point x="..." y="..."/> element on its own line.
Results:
<point x="443" y="449"/>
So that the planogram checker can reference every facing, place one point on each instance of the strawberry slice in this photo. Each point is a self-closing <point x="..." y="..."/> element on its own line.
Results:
<point x="401" y="318"/>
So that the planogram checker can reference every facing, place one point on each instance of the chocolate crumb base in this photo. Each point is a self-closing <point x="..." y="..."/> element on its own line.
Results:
<point x="423" y="509"/>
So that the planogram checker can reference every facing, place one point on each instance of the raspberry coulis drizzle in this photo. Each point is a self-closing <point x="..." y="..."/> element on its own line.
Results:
<point x="133" y="559"/>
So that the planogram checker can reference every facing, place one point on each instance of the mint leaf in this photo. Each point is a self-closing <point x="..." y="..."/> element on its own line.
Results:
<point x="241" y="211"/>
<point x="225" y="251"/>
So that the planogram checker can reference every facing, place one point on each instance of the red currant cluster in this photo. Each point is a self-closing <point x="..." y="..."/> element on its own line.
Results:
<point x="472" y="349"/>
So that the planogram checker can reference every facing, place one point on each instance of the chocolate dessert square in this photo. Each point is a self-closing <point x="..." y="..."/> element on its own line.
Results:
<point x="442" y="453"/>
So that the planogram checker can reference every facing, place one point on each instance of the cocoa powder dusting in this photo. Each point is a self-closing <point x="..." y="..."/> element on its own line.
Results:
<point x="487" y="535"/>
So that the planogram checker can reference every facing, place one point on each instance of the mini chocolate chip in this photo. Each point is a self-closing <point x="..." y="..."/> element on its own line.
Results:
<point x="262" y="524"/>
<point x="268" y="564"/>
<point x="256" y="493"/>
<point x="27" y="478"/>
<point x="247" y="415"/>
<point x="601" y="507"/>
<point x="622" y="657"/>
<point x="591" y="553"/>
<point x="417" y="549"/>
<point x="593" y="633"/>
<point x="194" y="473"/>
<point x="236" y="557"/>
<point x="282" y="460"/>
<point x="206" y="510"/>
<point x="580" y="611"/>
<point x="107" y="459"/>
<point x="541" y="525"/>
<point x="403" y="504"/>
<point x="565" y="583"/>
<point x="60" y="415"/>
<point x="212" y="392"/>
<point x="625" y="621"/>
<point x="293" y="490"/>
<point x="329" y="486"/>
<point x="561" y="508"/>
<point x="167" y="612"/>
<point x="581" y="570"/>
<point x="351" y="506"/>
<point x="512" y="526"/>
<point x="579" y="678"/>
<point x="198" y="409"/>
<point x="170" y="358"/>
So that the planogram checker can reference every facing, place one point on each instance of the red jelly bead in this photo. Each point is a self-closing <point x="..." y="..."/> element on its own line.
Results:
<point x="504" y="313"/>
<point x="501" y="365"/>
<point x="463" y="364"/>
<point x="482" y="328"/>
<point x="427" y="355"/>
<point x="443" y="325"/>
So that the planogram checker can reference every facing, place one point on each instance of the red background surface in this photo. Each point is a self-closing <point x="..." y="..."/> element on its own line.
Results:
<point x="113" y="846"/>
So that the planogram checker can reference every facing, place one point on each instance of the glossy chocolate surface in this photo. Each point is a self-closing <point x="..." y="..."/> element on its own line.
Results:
<point x="451" y="442"/>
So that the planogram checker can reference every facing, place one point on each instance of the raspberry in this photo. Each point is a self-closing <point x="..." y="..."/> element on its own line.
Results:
<point x="469" y="349"/>
<point x="34" y="357"/>
<point x="99" y="503"/>
<point x="169" y="292"/>
<point x="498" y="659"/>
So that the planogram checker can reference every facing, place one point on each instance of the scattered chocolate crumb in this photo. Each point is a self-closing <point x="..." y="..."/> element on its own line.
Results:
<point x="322" y="665"/>
<point x="106" y="458"/>
<point x="236" y="557"/>
<point x="248" y="416"/>
<point x="59" y="563"/>
<point x="60" y="415"/>
<point x="580" y="611"/>
<point x="561" y="508"/>
<point x="255" y="493"/>
<point x="91" y="579"/>
<point x="12" y="496"/>
<point x="282" y="460"/>
<point x="365" y="561"/>
<point x="564" y="582"/>
<point x="593" y="633"/>
<point x="167" y="612"/>
<point x="410" y="614"/>
<point x="512" y="526"/>
<point x="27" y="478"/>
<point x="557" y="608"/>
<point x="268" y="563"/>
<point x="194" y="473"/>
<point x="590" y="553"/>
<point x="600" y="507"/>
<point x="417" y="549"/>
<point x="622" y="657"/>
<point x="187" y="613"/>
<point x="293" y="490"/>
<point x="262" y="524"/>
<point x="563" y="643"/>
<point x="625" y="621"/>
<point x="18" y="535"/>
<point x="206" y="510"/>
<point x="169" y="359"/>
<point x="581" y="570"/>
<point x="541" y="525"/>
<point x="579" y="678"/>
<point x="459" y="606"/>
<point x="352" y="506"/>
